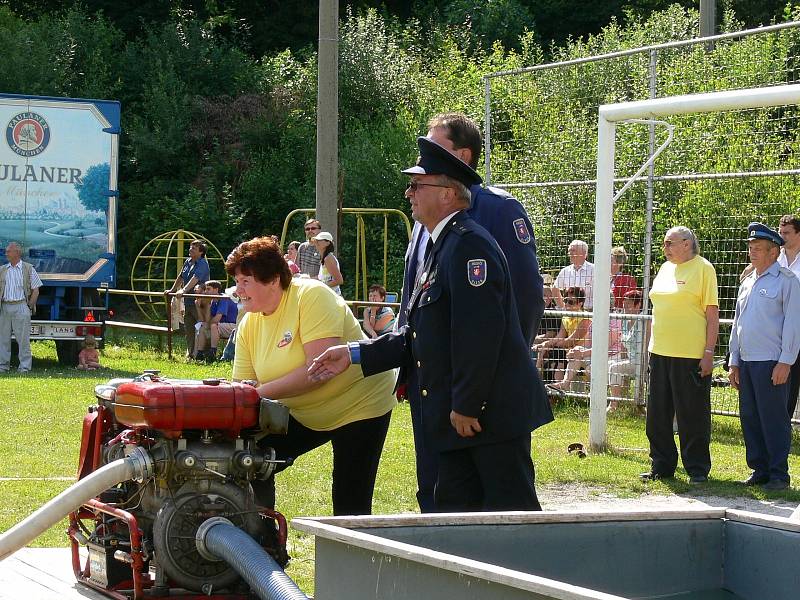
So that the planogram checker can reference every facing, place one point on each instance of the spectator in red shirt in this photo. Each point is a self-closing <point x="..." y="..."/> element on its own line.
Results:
<point x="621" y="283"/>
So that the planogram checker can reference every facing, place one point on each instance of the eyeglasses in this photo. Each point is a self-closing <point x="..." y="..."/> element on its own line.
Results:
<point x="571" y="301"/>
<point x="414" y="185"/>
<point x="312" y="228"/>
<point x="668" y="243"/>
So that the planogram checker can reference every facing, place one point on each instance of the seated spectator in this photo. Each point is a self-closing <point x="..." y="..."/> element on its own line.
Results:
<point x="291" y="257"/>
<point x="202" y="306"/>
<point x="220" y="323"/>
<point x="579" y="357"/>
<point x="329" y="272"/>
<point x="580" y="272"/>
<point x="552" y="352"/>
<point x="89" y="356"/>
<point x="627" y="365"/>
<point x="229" y="353"/>
<point x="549" y="325"/>
<point x="621" y="283"/>
<point x="378" y="319"/>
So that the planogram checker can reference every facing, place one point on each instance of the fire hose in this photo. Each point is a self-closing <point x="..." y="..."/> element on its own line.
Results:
<point x="219" y="539"/>
<point x="137" y="466"/>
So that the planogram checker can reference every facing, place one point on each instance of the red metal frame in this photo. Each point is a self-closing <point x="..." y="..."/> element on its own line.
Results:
<point x="141" y="581"/>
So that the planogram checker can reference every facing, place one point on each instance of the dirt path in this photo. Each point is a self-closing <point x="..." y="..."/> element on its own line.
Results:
<point x="583" y="497"/>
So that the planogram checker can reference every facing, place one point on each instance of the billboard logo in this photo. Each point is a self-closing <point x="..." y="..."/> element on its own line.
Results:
<point x="28" y="134"/>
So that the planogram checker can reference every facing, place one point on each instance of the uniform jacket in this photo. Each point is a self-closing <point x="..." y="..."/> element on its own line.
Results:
<point x="507" y="222"/>
<point x="464" y="342"/>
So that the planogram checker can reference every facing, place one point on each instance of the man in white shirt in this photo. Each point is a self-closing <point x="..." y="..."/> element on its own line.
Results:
<point x="580" y="272"/>
<point x="790" y="258"/>
<point x="19" y="291"/>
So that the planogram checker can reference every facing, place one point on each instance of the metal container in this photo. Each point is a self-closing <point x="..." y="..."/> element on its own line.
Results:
<point x="697" y="554"/>
<point x="172" y="406"/>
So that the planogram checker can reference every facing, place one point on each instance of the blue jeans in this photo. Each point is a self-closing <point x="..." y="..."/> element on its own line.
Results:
<point x="230" y="348"/>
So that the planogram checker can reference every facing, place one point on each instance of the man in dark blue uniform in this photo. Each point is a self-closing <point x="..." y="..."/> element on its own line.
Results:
<point x="506" y="220"/>
<point x="468" y="362"/>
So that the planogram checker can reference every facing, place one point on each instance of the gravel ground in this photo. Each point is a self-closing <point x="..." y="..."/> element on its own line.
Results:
<point x="573" y="496"/>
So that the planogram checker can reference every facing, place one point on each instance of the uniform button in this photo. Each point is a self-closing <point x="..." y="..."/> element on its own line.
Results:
<point x="419" y="364"/>
<point x="424" y="392"/>
<point x="414" y="334"/>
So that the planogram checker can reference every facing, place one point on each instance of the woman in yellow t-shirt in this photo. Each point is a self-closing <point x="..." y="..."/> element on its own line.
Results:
<point x="684" y="334"/>
<point x="289" y="321"/>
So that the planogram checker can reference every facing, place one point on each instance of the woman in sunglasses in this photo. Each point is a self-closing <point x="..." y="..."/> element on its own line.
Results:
<point x="552" y="352"/>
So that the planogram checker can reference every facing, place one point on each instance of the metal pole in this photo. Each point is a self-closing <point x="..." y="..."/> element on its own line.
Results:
<point x="487" y="131"/>
<point x="648" y="231"/>
<point x="604" y="207"/>
<point x="708" y="18"/>
<point x="328" y="117"/>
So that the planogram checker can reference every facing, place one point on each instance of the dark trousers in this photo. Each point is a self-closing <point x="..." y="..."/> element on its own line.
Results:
<point x="189" y="321"/>
<point x="357" y="450"/>
<point x="487" y="478"/>
<point x="427" y="458"/>
<point x="765" y="425"/>
<point x="677" y="389"/>
<point x="794" y="387"/>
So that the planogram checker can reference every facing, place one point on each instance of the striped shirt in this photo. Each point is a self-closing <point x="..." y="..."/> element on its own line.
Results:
<point x="308" y="259"/>
<point x="14" y="290"/>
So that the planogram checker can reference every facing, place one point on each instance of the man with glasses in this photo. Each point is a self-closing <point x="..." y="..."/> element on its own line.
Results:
<point x="507" y="222"/>
<point x="467" y="360"/>
<point x="685" y="325"/>
<point x="307" y="254"/>
<point x="496" y="211"/>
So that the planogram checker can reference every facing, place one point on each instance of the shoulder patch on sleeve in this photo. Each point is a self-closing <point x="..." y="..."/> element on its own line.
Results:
<point x="476" y="271"/>
<point x="521" y="231"/>
<point x="786" y="271"/>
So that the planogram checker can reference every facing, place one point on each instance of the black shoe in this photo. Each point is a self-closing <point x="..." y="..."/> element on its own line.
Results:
<point x="210" y="357"/>
<point x="698" y="479"/>
<point x="776" y="485"/>
<point x="651" y="476"/>
<point x="755" y="480"/>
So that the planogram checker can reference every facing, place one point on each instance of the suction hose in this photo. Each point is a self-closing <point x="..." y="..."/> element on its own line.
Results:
<point x="217" y="538"/>
<point x="138" y="466"/>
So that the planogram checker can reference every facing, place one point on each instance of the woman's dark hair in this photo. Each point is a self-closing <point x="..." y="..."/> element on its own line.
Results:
<point x="328" y="250"/>
<point x="577" y="293"/>
<point x="378" y="288"/>
<point x="791" y="220"/>
<point x="260" y="258"/>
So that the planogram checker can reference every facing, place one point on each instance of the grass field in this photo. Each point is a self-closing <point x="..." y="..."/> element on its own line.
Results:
<point x="40" y="424"/>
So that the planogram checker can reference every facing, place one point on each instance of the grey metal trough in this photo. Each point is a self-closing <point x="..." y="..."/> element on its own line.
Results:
<point x="690" y="554"/>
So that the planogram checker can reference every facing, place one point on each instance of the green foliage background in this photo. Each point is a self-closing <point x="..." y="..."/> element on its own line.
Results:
<point x="219" y="122"/>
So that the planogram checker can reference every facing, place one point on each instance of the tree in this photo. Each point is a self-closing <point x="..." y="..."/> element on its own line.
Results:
<point x="93" y="187"/>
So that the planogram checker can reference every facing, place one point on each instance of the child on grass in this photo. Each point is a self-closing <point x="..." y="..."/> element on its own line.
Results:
<point x="89" y="357"/>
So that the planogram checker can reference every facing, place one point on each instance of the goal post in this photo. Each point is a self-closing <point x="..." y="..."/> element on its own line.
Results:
<point x="608" y="118"/>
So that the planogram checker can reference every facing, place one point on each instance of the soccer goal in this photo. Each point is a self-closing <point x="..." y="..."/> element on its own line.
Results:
<point x="610" y="115"/>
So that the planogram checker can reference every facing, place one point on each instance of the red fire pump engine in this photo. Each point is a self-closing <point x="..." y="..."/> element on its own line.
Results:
<point x="194" y="444"/>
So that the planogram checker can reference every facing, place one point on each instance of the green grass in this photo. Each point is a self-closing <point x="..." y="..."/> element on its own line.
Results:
<point x="40" y="425"/>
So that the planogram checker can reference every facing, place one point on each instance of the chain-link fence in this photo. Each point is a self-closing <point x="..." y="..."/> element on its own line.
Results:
<point x="721" y="171"/>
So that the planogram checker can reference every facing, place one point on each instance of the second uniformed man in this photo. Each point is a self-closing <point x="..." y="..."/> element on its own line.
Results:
<point x="468" y="361"/>
<point x="765" y="339"/>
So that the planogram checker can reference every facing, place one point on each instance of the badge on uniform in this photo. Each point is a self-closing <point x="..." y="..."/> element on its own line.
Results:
<point x="521" y="229"/>
<point x="476" y="271"/>
<point x="285" y="340"/>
